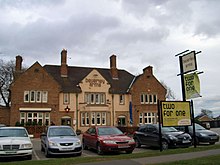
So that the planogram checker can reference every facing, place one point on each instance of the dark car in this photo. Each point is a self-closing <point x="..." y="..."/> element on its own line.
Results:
<point x="202" y="134"/>
<point x="60" y="140"/>
<point x="107" y="139"/>
<point x="148" y="134"/>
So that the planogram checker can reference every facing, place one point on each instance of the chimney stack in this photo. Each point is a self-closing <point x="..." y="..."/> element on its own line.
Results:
<point x="113" y="68"/>
<point x="148" y="70"/>
<point x="18" y="63"/>
<point x="63" y="69"/>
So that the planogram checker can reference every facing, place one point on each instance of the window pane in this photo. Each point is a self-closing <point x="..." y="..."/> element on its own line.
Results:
<point x="26" y="96"/>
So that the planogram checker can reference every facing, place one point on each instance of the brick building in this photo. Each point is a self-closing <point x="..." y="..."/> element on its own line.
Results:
<point x="83" y="96"/>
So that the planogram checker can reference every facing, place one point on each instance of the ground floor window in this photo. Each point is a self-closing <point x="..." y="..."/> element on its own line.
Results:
<point x="93" y="118"/>
<point x="148" y="118"/>
<point x="35" y="118"/>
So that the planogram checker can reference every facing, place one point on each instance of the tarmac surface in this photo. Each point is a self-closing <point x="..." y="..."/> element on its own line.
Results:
<point x="158" y="159"/>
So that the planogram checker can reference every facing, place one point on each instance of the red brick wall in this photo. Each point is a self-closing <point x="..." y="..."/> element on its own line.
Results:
<point x="4" y="115"/>
<point x="148" y="84"/>
<point x="34" y="78"/>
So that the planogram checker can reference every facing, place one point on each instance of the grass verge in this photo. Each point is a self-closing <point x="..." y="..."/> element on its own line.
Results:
<point x="83" y="159"/>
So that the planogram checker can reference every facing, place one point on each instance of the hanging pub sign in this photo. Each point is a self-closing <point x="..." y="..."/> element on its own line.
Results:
<point x="175" y="113"/>
<point x="189" y="62"/>
<point x="192" y="85"/>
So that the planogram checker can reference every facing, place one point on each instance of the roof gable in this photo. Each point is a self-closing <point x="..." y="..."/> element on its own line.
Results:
<point x="77" y="74"/>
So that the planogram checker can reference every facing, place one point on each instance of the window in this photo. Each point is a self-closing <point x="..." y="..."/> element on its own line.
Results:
<point x="26" y="96"/>
<point x="148" y="99"/>
<point x="96" y="118"/>
<point x="66" y="98"/>
<point x="35" y="96"/>
<point x="121" y="99"/>
<point x="35" y="117"/>
<point x="38" y="96"/>
<point x="95" y="98"/>
<point x="147" y="118"/>
<point x="44" y="96"/>
<point x="32" y="96"/>
<point x="155" y="99"/>
<point x="142" y="98"/>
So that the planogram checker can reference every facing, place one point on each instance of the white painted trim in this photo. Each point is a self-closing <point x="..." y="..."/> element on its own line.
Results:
<point x="35" y="109"/>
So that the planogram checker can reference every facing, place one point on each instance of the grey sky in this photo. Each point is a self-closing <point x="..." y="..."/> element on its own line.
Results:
<point x="139" y="33"/>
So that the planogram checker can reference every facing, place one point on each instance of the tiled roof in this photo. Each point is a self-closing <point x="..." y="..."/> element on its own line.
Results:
<point x="77" y="74"/>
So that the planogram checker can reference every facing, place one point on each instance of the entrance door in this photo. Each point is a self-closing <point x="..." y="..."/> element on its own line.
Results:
<point x="66" y="121"/>
<point x="121" y="121"/>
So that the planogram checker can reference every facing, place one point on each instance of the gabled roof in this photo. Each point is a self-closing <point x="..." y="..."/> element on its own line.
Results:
<point x="77" y="74"/>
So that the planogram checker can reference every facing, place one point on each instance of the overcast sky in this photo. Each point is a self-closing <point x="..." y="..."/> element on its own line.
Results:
<point x="139" y="32"/>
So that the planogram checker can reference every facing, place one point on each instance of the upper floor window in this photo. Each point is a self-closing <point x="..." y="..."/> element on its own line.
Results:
<point x="121" y="99"/>
<point x="66" y="98"/>
<point x="148" y="99"/>
<point x="95" y="98"/>
<point x="35" y="96"/>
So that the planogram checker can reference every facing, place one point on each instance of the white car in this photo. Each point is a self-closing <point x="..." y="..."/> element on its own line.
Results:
<point x="15" y="142"/>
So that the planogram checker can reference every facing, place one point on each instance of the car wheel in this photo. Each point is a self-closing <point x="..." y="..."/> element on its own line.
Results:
<point x="29" y="157"/>
<point x="79" y="154"/>
<point x="165" y="145"/>
<point x="138" y="144"/>
<point x="129" y="152"/>
<point x="99" y="151"/>
<point x="42" y="148"/>
<point x="85" y="147"/>
<point x="46" y="153"/>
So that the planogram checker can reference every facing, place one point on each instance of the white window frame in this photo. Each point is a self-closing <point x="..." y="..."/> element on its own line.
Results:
<point x="103" y="118"/>
<point x="151" y="99"/>
<point x="38" y="96"/>
<point x="98" y="118"/>
<point x="142" y="98"/>
<point x="155" y="99"/>
<point x="93" y="121"/>
<point x="32" y="96"/>
<point x="121" y="99"/>
<point x="44" y="96"/>
<point x="26" y="99"/>
<point x="65" y="98"/>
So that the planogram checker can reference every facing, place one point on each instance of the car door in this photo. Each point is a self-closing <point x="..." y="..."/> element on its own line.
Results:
<point x="90" y="137"/>
<point x="152" y="136"/>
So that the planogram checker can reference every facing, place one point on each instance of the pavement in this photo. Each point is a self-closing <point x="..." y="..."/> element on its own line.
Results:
<point x="158" y="159"/>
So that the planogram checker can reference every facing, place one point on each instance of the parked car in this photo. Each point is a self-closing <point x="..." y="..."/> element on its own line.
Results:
<point x="148" y="134"/>
<point x="59" y="140"/>
<point x="107" y="139"/>
<point x="15" y="142"/>
<point x="202" y="134"/>
<point x="2" y="125"/>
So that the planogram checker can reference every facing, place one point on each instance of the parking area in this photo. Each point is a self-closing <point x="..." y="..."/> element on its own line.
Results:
<point x="39" y="155"/>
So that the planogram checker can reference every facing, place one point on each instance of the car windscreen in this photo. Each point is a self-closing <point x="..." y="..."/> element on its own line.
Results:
<point x="13" y="133"/>
<point x="169" y="129"/>
<point x="53" y="132"/>
<point x="197" y="127"/>
<point x="109" y="131"/>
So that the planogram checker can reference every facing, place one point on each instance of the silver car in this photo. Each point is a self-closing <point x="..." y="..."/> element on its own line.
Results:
<point x="15" y="142"/>
<point x="59" y="140"/>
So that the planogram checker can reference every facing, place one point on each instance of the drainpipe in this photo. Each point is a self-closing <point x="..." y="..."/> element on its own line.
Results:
<point x="113" y="111"/>
<point x="77" y="111"/>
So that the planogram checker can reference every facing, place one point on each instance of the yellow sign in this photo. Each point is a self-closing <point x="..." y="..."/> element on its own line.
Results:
<point x="175" y="113"/>
<point x="192" y="85"/>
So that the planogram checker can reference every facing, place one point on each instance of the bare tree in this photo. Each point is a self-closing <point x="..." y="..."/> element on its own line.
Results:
<point x="169" y="93"/>
<point x="207" y="112"/>
<point x="6" y="78"/>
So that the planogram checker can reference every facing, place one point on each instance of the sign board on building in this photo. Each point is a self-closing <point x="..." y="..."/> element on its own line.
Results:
<point x="175" y="113"/>
<point x="189" y="62"/>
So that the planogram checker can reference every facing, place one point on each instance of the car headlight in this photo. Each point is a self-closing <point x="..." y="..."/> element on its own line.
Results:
<point x="131" y="141"/>
<point x="171" y="137"/>
<point x="78" y="143"/>
<point x="26" y="146"/>
<point x="51" y="143"/>
<point x="109" y="142"/>
<point x="1" y="148"/>
<point x="202" y="134"/>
